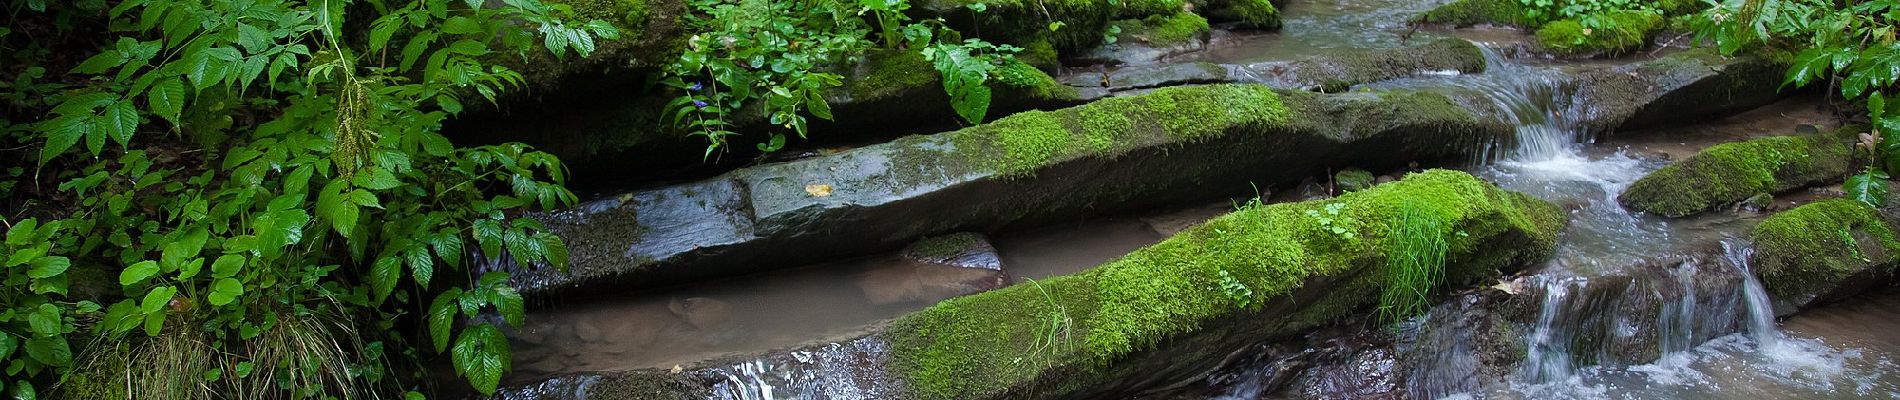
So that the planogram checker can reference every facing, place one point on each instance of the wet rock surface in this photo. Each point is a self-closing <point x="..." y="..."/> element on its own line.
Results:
<point x="945" y="266"/>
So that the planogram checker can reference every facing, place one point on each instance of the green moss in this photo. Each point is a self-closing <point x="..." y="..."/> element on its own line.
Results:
<point x="1257" y="14"/>
<point x="630" y="16"/>
<point x="1027" y="82"/>
<point x="1172" y="29"/>
<point x="1727" y="173"/>
<point x="992" y="342"/>
<point x="1030" y="140"/>
<point x="1338" y="71"/>
<point x="1040" y="54"/>
<point x="1353" y="180"/>
<point x="886" y="74"/>
<point x="1804" y="252"/>
<point x="1627" y="31"/>
<point x="1028" y="21"/>
<point x="1463" y="13"/>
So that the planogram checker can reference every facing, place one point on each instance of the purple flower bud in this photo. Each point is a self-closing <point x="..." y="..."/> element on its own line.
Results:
<point x="700" y="104"/>
<point x="695" y="87"/>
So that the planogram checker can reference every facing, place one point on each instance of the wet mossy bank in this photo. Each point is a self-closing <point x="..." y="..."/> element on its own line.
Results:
<point x="1121" y="154"/>
<point x="1156" y="316"/>
<point x="1172" y="146"/>
<point x="1732" y="172"/>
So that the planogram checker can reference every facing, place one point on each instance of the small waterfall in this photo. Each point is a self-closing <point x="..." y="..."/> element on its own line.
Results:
<point x="1537" y="101"/>
<point x="1761" y="313"/>
<point x="1548" y="356"/>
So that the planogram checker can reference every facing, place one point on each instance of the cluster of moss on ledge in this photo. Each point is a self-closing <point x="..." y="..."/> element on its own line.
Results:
<point x="1252" y="14"/>
<point x="888" y="75"/>
<point x="1019" y="144"/>
<point x="1463" y="13"/>
<point x="1627" y="31"/>
<point x="1810" y="250"/>
<point x="1163" y="30"/>
<point x="1027" y="21"/>
<point x="1067" y="328"/>
<point x="1730" y="172"/>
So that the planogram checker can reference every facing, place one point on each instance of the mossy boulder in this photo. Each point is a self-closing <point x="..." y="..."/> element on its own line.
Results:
<point x="1732" y="172"/>
<point x="1147" y="40"/>
<point x="1626" y="31"/>
<point x="1463" y="13"/>
<point x="1081" y="22"/>
<point x="1679" y="88"/>
<point x="1824" y="251"/>
<point x="1155" y="315"/>
<point x="651" y="35"/>
<point x="1250" y="14"/>
<point x="1353" y="180"/>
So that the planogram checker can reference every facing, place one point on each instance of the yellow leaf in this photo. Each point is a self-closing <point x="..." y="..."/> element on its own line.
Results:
<point x="818" y="190"/>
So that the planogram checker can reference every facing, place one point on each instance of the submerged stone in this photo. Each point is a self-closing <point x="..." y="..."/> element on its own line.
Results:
<point x="939" y="268"/>
<point x="1825" y="251"/>
<point x="1732" y="172"/>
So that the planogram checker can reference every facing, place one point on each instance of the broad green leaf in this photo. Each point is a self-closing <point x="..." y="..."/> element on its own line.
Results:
<point x="184" y="247"/>
<point x="225" y="290"/>
<point x="1868" y="187"/>
<point x="167" y="99"/>
<point x="156" y="299"/>
<point x="8" y="344"/>
<point x="383" y="276"/>
<point x="488" y="236"/>
<point x="121" y="121"/>
<point x="122" y="317"/>
<point x="442" y="317"/>
<point x="482" y="356"/>
<point x="45" y="321"/>
<point x="23" y="390"/>
<point x="227" y="266"/>
<point x="421" y="264"/>
<point x="50" y="351"/>
<point x="62" y="133"/>
<point x="138" y="272"/>
<point x="379" y="179"/>
<point x="28" y="254"/>
<point x="47" y="267"/>
<point x="512" y="307"/>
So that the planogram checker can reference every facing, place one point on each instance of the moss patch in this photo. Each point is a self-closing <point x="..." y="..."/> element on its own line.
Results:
<point x="1628" y="30"/>
<point x="1463" y="13"/>
<point x="1028" y="21"/>
<point x="1727" y="173"/>
<point x="1006" y="340"/>
<point x="1810" y="250"/>
<point x="1251" y="14"/>
<point x="1164" y="30"/>
<point x="1019" y="144"/>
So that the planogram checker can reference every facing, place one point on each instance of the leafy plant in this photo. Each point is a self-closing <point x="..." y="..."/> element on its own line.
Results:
<point x="1239" y="292"/>
<point x="33" y="319"/>
<point x="966" y="68"/>
<point x="765" y="53"/>
<point x="1851" y="46"/>
<point x="1332" y="222"/>
<point x="336" y="195"/>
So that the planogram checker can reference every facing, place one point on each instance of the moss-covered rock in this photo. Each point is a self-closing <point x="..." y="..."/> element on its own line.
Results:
<point x="1731" y="172"/>
<point x="1251" y="14"/>
<point x="651" y="35"/>
<point x="1339" y="71"/>
<point x="1463" y="13"/>
<point x="1088" y="332"/>
<point x="1026" y="21"/>
<point x="1824" y="251"/>
<point x="1626" y="31"/>
<point x="1353" y="180"/>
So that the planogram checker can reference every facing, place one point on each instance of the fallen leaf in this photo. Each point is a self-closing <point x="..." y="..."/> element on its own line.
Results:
<point x="818" y="190"/>
<point x="677" y="369"/>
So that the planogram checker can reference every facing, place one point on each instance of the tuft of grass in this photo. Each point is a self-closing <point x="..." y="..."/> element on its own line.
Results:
<point x="1057" y="327"/>
<point x="303" y="356"/>
<point x="1416" y="263"/>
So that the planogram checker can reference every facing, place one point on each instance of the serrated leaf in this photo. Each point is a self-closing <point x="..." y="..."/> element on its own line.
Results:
<point x="482" y="356"/>
<point x="62" y="133"/>
<point x="512" y="307"/>
<point x="421" y="265"/>
<point x="167" y="99"/>
<point x="225" y="290"/>
<point x="442" y="317"/>
<point x="121" y="121"/>
<point x="383" y="276"/>
<point x="138" y="272"/>
<point x="488" y="236"/>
